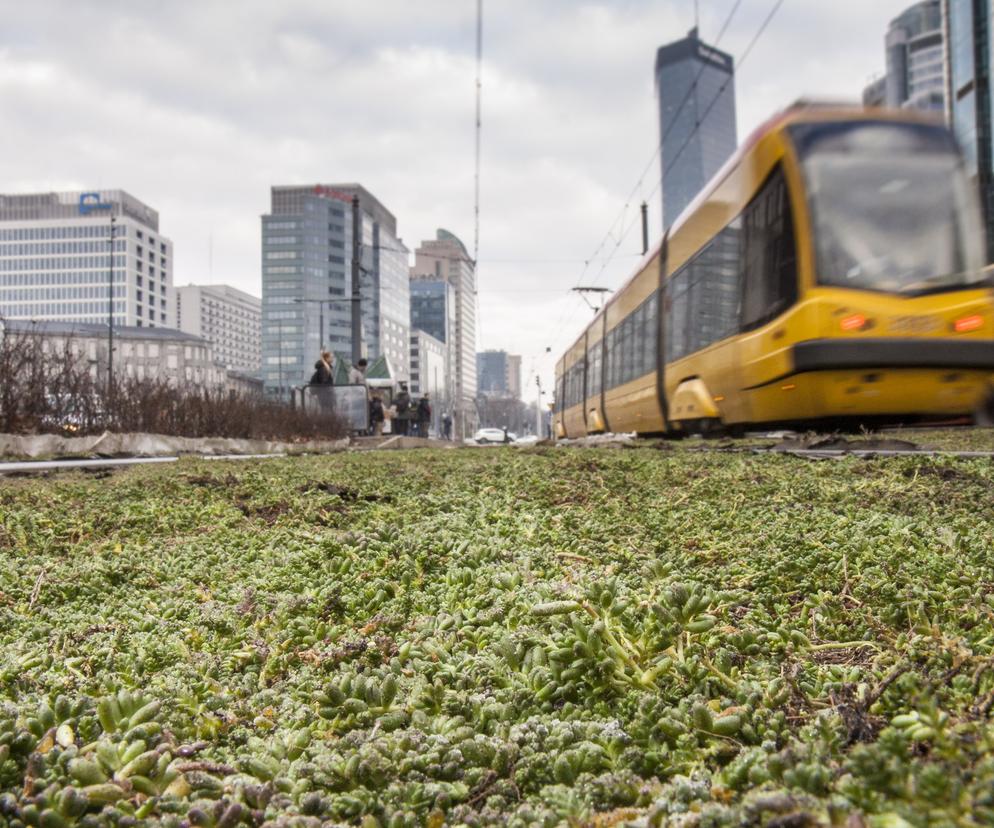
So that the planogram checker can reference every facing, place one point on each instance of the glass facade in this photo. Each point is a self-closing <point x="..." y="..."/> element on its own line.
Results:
<point x="445" y="259"/>
<point x="307" y="282"/>
<point x="696" y="88"/>
<point x="55" y="259"/>
<point x="969" y="91"/>
<point x="915" y="52"/>
<point x="433" y="308"/>
<point x="492" y="372"/>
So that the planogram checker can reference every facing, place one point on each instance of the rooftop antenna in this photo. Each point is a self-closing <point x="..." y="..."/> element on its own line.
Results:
<point x="697" y="14"/>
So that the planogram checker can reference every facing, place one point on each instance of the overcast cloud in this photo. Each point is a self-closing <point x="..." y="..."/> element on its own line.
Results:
<point x="197" y="108"/>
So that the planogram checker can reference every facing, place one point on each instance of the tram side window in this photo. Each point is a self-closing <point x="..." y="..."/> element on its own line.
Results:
<point x="609" y="359"/>
<point x="677" y="306"/>
<point x="594" y="356"/>
<point x="769" y="255"/>
<point x="650" y="337"/>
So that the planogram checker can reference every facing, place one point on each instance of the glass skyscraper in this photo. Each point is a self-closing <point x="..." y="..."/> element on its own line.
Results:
<point x="445" y="258"/>
<point x="696" y="88"/>
<point x="968" y="24"/>
<point x="914" y="58"/>
<point x="307" y="282"/>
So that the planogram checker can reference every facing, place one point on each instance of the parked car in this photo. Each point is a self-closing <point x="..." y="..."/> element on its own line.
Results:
<point x="493" y="435"/>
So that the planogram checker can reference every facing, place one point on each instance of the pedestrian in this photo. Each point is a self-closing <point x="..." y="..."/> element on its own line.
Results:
<point x="376" y="415"/>
<point x="447" y="425"/>
<point x="403" y="405"/>
<point x="424" y="416"/>
<point x="322" y="370"/>
<point x="357" y="376"/>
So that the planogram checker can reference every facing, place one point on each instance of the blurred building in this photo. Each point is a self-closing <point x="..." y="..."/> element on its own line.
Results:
<point x="445" y="259"/>
<point x="914" y="55"/>
<point x="970" y="95"/>
<point x="307" y="282"/>
<point x="429" y="372"/>
<point x="433" y="308"/>
<point x="139" y="353"/>
<point x="498" y="374"/>
<point x="514" y="375"/>
<point x="875" y="93"/>
<point x="56" y="264"/>
<point x="696" y="88"/>
<point x="230" y="319"/>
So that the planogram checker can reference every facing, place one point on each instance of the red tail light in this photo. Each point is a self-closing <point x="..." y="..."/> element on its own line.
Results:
<point x="856" y="322"/>
<point x="969" y="323"/>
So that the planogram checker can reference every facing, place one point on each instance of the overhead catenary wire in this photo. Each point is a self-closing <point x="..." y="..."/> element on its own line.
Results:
<point x="619" y="240"/>
<point x="707" y="111"/>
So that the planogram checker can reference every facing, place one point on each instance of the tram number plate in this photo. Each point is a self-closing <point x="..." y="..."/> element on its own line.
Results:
<point x="915" y="325"/>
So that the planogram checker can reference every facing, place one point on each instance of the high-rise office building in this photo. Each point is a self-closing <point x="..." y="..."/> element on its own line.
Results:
<point x="498" y="374"/>
<point x="230" y="319"/>
<point x="914" y="45"/>
<point x="514" y="375"/>
<point x="307" y="282"/>
<point x="696" y="88"/>
<point x="445" y="258"/>
<point x="433" y="308"/>
<point x="56" y="263"/>
<point x="970" y="94"/>
<point x="429" y="368"/>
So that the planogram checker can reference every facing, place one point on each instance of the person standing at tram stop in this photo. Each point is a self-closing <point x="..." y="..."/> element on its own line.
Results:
<point x="424" y="416"/>
<point x="357" y="375"/>
<point x="403" y="405"/>
<point x="323" y="374"/>
<point x="376" y="415"/>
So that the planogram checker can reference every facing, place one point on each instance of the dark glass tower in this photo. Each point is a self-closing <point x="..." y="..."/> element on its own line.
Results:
<point x="970" y="95"/>
<point x="696" y="88"/>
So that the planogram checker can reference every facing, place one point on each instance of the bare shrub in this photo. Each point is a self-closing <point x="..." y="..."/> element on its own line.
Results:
<point x="49" y="388"/>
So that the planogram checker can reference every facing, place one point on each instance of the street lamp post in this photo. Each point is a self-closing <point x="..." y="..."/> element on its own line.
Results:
<point x="110" y="313"/>
<point x="320" y="303"/>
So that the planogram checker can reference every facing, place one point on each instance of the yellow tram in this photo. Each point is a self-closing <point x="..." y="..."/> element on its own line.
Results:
<point x="831" y="270"/>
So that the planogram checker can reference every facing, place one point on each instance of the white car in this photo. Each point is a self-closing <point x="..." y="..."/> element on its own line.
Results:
<point x="493" y="435"/>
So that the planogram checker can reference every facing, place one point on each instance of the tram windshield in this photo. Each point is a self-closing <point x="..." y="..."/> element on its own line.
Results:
<point x="891" y="207"/>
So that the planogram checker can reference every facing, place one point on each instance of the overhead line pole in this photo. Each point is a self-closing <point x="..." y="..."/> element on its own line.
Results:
<point x="110" y="313"/>
<point x="356" y="267"/>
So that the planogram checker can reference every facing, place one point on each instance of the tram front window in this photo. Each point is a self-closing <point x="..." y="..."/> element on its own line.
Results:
<point x="891" y="207"/>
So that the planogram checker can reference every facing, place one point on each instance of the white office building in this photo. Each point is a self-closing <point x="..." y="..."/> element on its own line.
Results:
<point x="56" y="262"/>
<point x="445" y="259"/>
<point x="230" y="319"/>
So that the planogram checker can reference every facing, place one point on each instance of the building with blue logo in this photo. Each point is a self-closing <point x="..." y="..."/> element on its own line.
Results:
<point x="56" y="263"/>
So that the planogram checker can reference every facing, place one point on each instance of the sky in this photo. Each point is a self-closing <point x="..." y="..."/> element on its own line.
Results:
<point x="198" y="107"/>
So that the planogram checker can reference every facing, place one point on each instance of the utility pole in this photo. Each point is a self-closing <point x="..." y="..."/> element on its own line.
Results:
<point x="645" y="228"/>
<point x="110" y="314"/>
<point x="280" y="323"/>
<point x="320" y="303"/>
<point x="356" y="268"/>
<point x="538" y="408"/>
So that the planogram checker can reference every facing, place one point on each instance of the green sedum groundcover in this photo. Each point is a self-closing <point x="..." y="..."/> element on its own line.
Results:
<point x="555" y="636"/>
